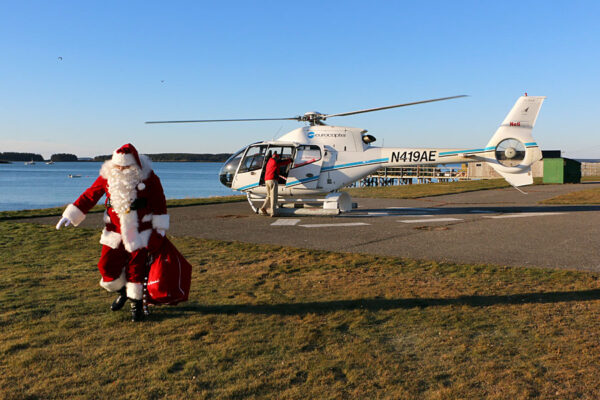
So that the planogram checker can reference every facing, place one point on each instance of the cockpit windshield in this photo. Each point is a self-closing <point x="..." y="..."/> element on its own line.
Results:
<point x="254" y="158"/>
<point x="228" y="170"/>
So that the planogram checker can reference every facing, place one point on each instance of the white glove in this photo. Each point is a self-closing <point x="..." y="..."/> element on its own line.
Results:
<point x="63" y="221"/>
<point x="161" y="232"/>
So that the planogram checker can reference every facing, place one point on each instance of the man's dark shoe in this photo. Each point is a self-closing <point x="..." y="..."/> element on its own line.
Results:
<point x="137" y="310"/>
<point x="119" y="301"/>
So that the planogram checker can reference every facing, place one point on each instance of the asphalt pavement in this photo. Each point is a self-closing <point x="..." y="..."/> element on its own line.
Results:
<point x="502" y="227"/>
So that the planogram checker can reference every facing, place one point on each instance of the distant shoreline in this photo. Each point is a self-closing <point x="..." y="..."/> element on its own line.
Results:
<point x="86" y="161"/>
<point x="14" y="157"/>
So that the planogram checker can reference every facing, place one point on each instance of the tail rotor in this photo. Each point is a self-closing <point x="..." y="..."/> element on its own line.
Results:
<point x="514" y="149"/>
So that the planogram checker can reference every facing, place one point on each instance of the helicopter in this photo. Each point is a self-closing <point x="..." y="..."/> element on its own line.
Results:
<point x="326" y="158"/>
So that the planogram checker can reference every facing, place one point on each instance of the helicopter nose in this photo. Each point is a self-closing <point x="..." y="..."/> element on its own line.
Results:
<point x="227" y="172"/>
<point x="226" y="179"/>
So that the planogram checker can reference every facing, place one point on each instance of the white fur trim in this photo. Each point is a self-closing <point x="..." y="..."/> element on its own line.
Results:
<point x="144" y="238"/>
<point x="116" y="285"/>
<point x="75" y="215"/>
<point x="140" y="241"/>
<point x="122" y="159"/>
<point x="105" y="169"/>
<point x="129" y="229"/>
<point x="160" y="221"/>
<point x="147" y="218"/>
<point x="134" y="290"/>
<point x="106" y="218"/>
<point x="113" y="240"/>
<point x="146" y="167"/>
<point x="132" y="239"/>
<point x="141" y="186"/>
<point x="110" y="239"/>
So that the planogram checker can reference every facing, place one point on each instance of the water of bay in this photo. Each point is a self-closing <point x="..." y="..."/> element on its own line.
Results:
<point x="40" y="185"/>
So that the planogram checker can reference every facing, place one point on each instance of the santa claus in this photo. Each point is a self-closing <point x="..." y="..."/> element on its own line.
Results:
<point x="136" y="219"/>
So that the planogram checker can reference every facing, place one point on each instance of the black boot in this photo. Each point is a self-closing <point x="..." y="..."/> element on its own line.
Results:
<point x="137" y="310"/>
<point x="119" y="301"/>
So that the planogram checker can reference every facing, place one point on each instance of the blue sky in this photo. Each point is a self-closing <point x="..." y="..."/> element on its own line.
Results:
<point x="124" y="63"/>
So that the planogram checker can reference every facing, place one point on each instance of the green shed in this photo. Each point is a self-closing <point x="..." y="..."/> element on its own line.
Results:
<point x="561" y="170"/>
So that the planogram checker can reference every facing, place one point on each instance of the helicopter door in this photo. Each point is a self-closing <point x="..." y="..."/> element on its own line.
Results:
<point x="249" y="171"/>
<point x="285" y="153"/>
<point x="305" y="171"/>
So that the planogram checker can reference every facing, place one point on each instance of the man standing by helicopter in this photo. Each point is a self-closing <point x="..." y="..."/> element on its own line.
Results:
<point x="274" y="163"/>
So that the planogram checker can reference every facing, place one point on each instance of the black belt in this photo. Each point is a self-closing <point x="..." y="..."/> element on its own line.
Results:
<point x="137" y="204"/>
<point x="143" y="226"/>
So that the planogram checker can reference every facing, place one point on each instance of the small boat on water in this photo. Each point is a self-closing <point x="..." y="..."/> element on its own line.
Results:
<point x="29" y="162"/>
<point x="49" y="162"/>
<point x="74" y="176"/>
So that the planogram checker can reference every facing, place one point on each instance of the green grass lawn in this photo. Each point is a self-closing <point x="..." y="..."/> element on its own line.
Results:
<point x="282" y="323"/>
<point x="588" y="196"/>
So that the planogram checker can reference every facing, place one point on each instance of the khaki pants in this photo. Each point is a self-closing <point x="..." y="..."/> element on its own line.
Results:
<point x="271" y="199"/>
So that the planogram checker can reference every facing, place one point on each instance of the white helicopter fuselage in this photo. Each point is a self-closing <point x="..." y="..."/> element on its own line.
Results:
<point x="328" y="158"/>
<point x="346" y="158"/>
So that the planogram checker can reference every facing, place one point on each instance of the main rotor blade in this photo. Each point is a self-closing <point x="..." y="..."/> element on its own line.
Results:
<point x="224" y="120"/>
<point x="394" y="106"/>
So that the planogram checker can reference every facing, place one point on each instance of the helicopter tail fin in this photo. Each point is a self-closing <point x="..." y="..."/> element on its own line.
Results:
<point x="512" y="150"/>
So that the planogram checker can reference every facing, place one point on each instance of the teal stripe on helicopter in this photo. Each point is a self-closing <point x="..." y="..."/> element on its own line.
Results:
<point x="248" y="186"/>
<point x="450" y="153"/>
<point x="355" y="164"/>
<point x="299" y="181"/>
<point x="330" y="168"/>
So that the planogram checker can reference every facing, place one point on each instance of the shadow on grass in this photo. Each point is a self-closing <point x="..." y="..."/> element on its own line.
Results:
<point x="379" y="304"/>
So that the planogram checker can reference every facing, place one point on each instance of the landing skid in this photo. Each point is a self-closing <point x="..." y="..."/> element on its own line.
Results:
<point x="332" y="204"/>
<point x="251" y="199"/>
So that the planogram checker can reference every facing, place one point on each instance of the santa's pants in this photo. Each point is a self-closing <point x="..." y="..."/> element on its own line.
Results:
<point x="120" y="268"/>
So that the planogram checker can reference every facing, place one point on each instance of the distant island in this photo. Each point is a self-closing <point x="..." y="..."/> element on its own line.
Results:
<point x="12" y="156"/>
<point x="179" y="157"/>
<point x="161" y="157"/>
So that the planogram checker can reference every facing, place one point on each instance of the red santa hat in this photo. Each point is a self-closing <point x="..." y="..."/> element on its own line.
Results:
<point x="126" y="155"/>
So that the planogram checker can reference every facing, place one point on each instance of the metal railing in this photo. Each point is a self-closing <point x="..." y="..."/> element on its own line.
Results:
<point x="390" y="176"/>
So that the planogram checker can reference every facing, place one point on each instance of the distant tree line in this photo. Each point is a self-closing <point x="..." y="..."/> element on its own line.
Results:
<point x="11" y="156"/>
<point x="188" y="157"/>
<point x="63" y="157"/>
<point x="179" y="157"/>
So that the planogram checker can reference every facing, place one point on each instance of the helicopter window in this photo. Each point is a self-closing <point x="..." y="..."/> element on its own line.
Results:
<point x="307" y="155"/>
<point x="285" y="152"/>
<point x="254" y="159"/>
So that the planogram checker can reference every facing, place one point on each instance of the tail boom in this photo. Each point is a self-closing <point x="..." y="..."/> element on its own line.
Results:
<point x="510" y="152"/>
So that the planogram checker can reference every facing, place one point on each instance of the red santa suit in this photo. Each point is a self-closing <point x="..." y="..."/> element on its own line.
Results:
<point x="136" y="210"/>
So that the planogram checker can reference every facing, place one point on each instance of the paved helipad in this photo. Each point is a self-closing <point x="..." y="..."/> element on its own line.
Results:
<point x="501" y="227"/>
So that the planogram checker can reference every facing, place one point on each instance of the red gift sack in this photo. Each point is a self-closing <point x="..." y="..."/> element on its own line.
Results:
<point x="170" y="276"/>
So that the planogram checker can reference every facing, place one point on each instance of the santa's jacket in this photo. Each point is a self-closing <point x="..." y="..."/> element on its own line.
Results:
<point x="133" y="229"/>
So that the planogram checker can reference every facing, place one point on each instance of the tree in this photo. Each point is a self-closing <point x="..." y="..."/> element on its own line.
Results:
<point x="12" y="156"/>
<point x="62" y="157"/>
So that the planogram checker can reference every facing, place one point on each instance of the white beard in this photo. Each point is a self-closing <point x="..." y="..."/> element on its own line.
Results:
<point x="122" y="187"/>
